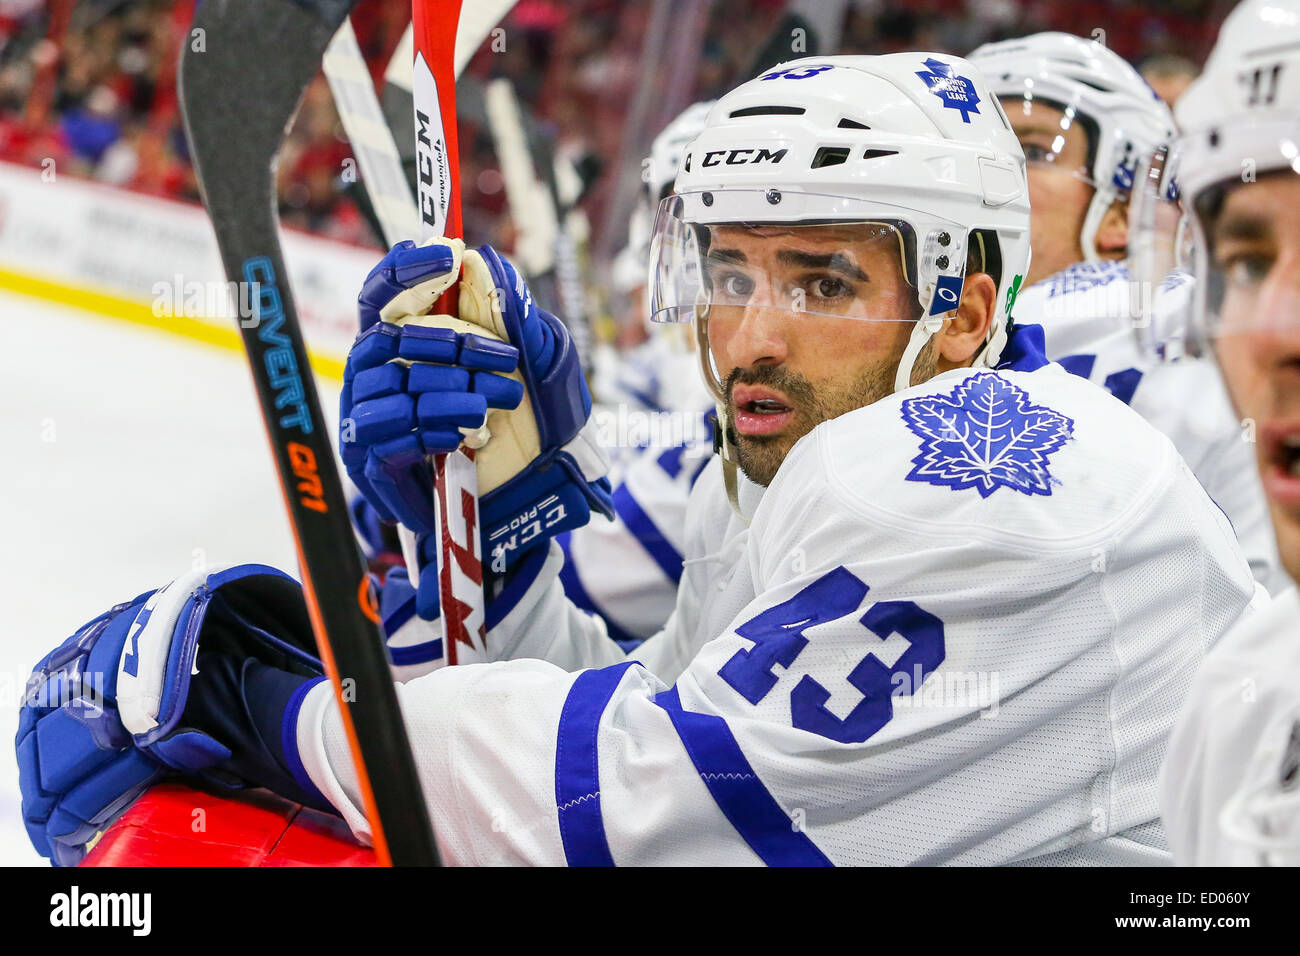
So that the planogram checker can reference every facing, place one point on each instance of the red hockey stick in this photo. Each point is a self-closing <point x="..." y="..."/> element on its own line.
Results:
<point x="460" y="568"/>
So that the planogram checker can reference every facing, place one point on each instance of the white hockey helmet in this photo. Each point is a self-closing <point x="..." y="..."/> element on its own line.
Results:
<point x="658" y="172"/>
<point x="1126" y="122"/>
<point x="1240" y="121"/>
<point x="909" y="149"/>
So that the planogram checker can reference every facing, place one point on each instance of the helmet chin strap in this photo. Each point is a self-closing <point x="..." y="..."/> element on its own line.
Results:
<point x="1102" y="199"/>
<point x="922" y="332"/>
<point x="724" y="445"/>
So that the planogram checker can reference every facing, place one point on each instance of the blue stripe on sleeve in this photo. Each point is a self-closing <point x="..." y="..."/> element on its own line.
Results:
<point x="289" y="741"/>
<point x="577" y="769"/>
<point x="399" y="617"/>
<point x="416" y="653"/>
<point x="647" y="535"/>
<point x="740" y="795"/>
<point x="577" y="593"/>
<point x="518" y="580"/>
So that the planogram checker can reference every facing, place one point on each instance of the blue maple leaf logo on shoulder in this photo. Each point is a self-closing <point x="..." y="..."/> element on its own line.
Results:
<point x="957" y="92"/>
<point x="985" y="434"/>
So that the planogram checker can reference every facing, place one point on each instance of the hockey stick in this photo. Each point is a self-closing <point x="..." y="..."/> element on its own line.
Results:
<point x="476" y="22"/>
<point x="368" y="133"/>
<point x="806" y="28"/>
<point x="384" y="179"/>
<point x="531" y="208"/>
<point x="236" y="110"/>
<point x="541" y="212"/>
<point x="455" y="476"/>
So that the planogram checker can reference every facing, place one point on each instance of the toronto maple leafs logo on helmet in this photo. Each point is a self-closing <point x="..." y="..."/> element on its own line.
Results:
<point x="985" y="434"/>
<point x="957" y="92"/>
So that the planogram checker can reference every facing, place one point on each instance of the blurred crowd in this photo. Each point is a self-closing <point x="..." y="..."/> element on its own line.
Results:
<point x="91" y="84"/>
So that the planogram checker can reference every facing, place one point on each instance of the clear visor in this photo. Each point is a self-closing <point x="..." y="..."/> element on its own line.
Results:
<point x="726" y="253"/>
<point x="1241" y="239"/>
<point x="1160" y="256"/>
<point x="1056" y="140"/>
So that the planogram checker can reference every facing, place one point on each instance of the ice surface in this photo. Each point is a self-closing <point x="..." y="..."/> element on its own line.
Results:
<point x="129" y="456"/>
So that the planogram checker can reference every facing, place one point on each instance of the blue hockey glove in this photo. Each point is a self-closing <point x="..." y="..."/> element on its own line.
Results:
<point x="175" y="681"/>
<point x="417" y="385"/>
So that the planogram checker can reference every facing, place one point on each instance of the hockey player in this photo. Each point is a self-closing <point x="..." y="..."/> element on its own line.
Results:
<point x="1089" y="123"/>
<point x="627" y="570"/>
<point x="1230" y="785"/>
<point x="950" y="622"/>
<point x="656" y="431"/>
<point x="659" y="374"/>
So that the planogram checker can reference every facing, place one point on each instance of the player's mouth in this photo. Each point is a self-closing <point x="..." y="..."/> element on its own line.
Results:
<point x="760" y="410"/>
<point x="1281" y="446"/>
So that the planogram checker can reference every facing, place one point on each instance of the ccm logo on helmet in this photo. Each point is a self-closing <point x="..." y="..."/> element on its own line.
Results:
<point x="742" y="157"/>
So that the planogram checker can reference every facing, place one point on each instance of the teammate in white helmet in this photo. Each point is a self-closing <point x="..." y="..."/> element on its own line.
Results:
<point x="659" y="374"/>
<point x="950" y="621"/>
<point x="1089" y="125"/>
<point x="627" y="570"/>
<point x="1230" y="785"/>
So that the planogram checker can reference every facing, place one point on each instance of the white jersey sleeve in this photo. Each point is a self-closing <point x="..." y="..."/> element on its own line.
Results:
<point x="1085" y="311"/>
<point x="956" y="631"/>
<point x="1223" y="792"/>
<point x="627" y="570"/>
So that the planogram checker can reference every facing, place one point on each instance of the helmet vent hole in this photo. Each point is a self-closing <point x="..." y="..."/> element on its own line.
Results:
<point x="768" y="111"/>
<point x="847" y="123"/>
<point x="830" y="156"/>
<point x="877" y="153"/>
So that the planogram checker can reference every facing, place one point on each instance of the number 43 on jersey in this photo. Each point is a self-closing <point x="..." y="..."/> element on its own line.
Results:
<point x="779" y="638"/>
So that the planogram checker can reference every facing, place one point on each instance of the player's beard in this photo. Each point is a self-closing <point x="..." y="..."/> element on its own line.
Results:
<point x="761" y="455"/>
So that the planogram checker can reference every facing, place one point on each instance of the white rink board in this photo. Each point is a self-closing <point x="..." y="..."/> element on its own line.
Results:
<point x="86" y="235"/>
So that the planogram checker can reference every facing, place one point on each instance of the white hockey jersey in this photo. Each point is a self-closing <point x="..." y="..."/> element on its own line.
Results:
<point x="656" y="424"/>
<point x="1230" y="784"/>
<point x="1088" y="312"/>
<point x="957" y="630"/>
<point x="627" y="570"/>
<point x="660" y="374"/>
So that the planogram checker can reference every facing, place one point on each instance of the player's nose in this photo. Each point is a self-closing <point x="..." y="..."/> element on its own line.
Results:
<point x="1275" y="338"/>
<point x="760" y="338"/>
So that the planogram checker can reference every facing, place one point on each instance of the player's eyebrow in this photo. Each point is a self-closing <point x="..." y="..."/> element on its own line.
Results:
<point x="728" y="255"/>
<point x="1242" y="227"/>
<point x="1045" y="129"/>
<point x="834" y="261"/>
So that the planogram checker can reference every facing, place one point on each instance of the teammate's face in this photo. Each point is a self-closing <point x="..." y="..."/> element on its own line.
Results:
<point x="1255" y="243"/>
<point x="1056" y="154"/>
<point x="786" y="370"/>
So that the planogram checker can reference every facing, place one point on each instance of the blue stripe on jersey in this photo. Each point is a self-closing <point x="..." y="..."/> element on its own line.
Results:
<point x="416" y="653"/>
<point x="577" y="767"/>
<point x="289" y="741"/>
<point x="574" y="590"/>
<point x="518" y="580"/>
<point x="397" y="617"/>
<point x="1080" y="365"/>
<point x="647" y="535"/>
<point x="740" y="795"/>
<point x="645" y="398"/>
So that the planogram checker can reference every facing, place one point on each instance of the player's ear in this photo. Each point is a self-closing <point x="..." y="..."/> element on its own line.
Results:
<point x="1112" y="234"/>
<point x="964" y="333"/>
